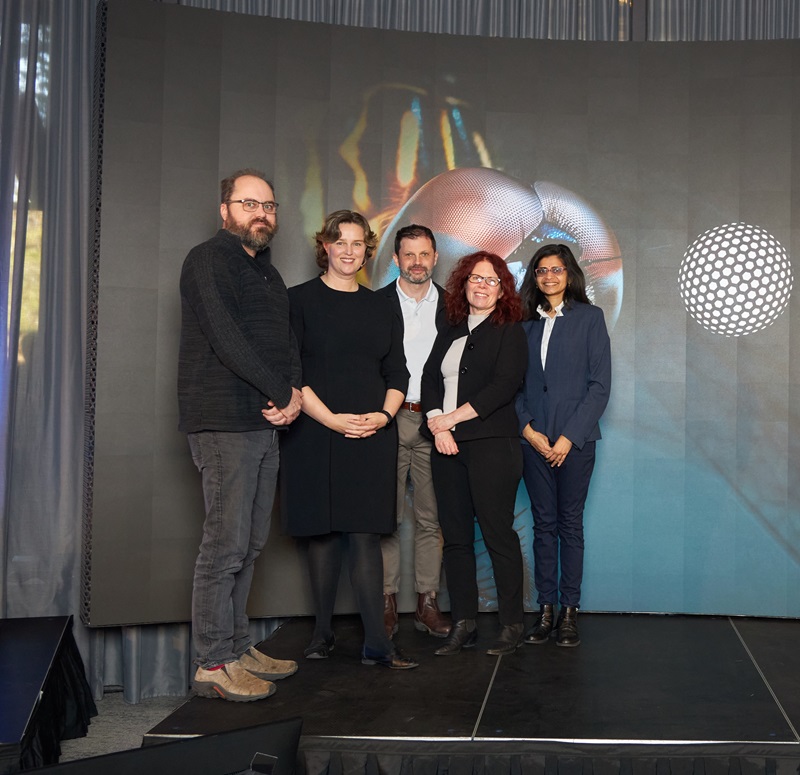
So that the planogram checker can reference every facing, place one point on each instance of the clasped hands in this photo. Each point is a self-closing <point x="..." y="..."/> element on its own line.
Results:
<point x="441" y="426"/>
<point x="554" y="454"/>
<point x="358" y="426"/>
<point x="287" y="414"/>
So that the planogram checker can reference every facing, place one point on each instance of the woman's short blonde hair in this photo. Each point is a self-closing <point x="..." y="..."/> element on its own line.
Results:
<point x="332" y="231"/>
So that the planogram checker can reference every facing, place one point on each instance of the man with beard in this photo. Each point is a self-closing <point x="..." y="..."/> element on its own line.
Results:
<point x="238" y="355"/>
<point x="419" y="303"/>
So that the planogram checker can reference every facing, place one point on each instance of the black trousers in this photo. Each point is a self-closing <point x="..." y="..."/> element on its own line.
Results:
<point x="480" y="481"/>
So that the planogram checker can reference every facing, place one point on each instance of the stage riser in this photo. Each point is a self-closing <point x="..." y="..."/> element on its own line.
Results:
<point x="641" y="695"/>
<point x="46" y="698"/>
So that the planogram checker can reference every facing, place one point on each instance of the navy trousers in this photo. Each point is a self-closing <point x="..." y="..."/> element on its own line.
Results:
<point x="558" y="496"/>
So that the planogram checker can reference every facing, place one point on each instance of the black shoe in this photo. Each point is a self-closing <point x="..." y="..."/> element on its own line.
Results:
<point x="320" y="648"/>
<point x="463" y="635"/>
<point x="394" y="660"/>
<point x="568" y="627"/>
<point x="540" y="632"/>
<point x="509" y="640"/>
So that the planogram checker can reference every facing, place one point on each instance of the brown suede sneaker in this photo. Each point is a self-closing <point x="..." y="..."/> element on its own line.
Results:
<point x="231" y="682"/>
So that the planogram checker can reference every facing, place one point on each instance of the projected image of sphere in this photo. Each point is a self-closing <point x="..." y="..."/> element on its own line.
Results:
<point x="735" y="279"/>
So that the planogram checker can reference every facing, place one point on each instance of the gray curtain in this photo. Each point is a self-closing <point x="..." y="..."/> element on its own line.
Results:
<point x="46" y="107"/>
<point x="722" y="20"/>
<point x="46" y="249"/>
<point x="604" y="20"/>
<point x="549" y="19"/>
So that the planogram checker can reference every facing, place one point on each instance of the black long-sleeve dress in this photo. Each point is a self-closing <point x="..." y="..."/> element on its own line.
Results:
<point x="351" y="349"/>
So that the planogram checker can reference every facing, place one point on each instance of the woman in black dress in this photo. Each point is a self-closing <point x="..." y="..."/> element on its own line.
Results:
<point x="339" y="462"/>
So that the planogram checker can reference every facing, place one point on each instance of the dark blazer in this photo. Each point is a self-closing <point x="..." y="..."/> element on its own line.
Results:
<point x="390" y="291"/>
<point x="569" y="395"/>
<point x="490" y="374"/>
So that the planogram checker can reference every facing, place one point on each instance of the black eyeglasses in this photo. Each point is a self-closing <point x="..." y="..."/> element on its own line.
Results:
<point x="492" y="282"/>
<point x="541" y="271"/>
<point x="252" y="205"/>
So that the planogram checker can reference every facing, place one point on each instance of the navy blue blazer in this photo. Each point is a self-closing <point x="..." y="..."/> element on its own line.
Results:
<point x="569" y="395"/>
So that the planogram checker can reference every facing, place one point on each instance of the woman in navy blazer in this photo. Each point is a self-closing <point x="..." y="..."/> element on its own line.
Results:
<point x="469" y="384"/>
<point x="566" y="389"/>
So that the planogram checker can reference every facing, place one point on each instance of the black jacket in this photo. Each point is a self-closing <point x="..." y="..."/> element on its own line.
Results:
<point x="490" y="374"/>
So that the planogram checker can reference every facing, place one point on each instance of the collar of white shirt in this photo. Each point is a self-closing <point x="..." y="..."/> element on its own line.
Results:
<point x="559" y="313"/>
<point x="432" y="295"/>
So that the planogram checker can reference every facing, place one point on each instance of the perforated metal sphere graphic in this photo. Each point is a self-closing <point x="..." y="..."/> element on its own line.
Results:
<point x="735" y="279"/>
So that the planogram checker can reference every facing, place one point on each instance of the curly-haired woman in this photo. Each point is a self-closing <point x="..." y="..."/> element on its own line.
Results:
<point x="468" y="387"/>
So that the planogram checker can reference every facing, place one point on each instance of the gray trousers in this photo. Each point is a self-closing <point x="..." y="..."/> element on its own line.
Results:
<point x="414" y="462"/>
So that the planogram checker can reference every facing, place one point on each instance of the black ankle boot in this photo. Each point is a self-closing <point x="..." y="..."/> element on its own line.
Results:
<point x="508" y="641"/>
<point x="463" y="635"/>
<point x="540" y="632"/>
<point x="568" y="627"/>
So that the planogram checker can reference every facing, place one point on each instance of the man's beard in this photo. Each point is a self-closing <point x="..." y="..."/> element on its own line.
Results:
<point x="417" y="279"/>
<point x="254" y="238"/>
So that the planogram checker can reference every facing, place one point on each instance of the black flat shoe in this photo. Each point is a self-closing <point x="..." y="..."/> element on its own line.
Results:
<point x="509" y="640"/>
<point x="463" y="635"/>
<point x="394" y="660"/>
<point x="320" y="648"/>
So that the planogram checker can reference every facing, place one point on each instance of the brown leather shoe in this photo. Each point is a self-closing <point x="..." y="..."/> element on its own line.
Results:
<point x="428" y="618"/>
<point x="390" y="623"/>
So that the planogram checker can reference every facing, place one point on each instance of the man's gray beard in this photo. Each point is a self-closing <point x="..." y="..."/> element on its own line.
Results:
<point x="418" y="280"/>
<point x="254" y="239"/>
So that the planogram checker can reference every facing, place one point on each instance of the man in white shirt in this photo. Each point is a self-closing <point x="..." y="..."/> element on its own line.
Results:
<point x="420" y="304"/>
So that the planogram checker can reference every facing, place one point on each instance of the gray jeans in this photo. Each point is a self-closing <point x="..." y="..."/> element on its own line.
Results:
<point x="239" y="475"/>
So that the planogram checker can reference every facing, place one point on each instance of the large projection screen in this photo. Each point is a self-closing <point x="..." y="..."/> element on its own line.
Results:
<point x="672" y="169"/>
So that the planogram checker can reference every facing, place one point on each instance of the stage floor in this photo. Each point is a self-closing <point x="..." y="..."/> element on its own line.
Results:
<point x="635" y="679"/>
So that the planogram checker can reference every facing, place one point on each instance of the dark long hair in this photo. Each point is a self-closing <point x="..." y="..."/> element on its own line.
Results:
<point x="532" y="297"/>
<point x="508" y="309"/>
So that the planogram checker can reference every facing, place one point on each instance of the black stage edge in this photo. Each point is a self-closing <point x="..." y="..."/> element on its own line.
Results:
<point x="269" y="748"/>
<point x="642" y="694"/>
<point x="46" y="698"/>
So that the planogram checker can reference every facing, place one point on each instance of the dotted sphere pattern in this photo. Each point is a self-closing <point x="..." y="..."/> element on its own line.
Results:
<point x="735" y="279"/>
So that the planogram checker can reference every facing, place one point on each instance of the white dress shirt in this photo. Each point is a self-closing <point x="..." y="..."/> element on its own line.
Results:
<point x="549" y="322"/>
<point x="419" y="333"/>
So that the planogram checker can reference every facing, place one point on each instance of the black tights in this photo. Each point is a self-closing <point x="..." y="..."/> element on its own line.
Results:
<point x="365" y="565"/>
